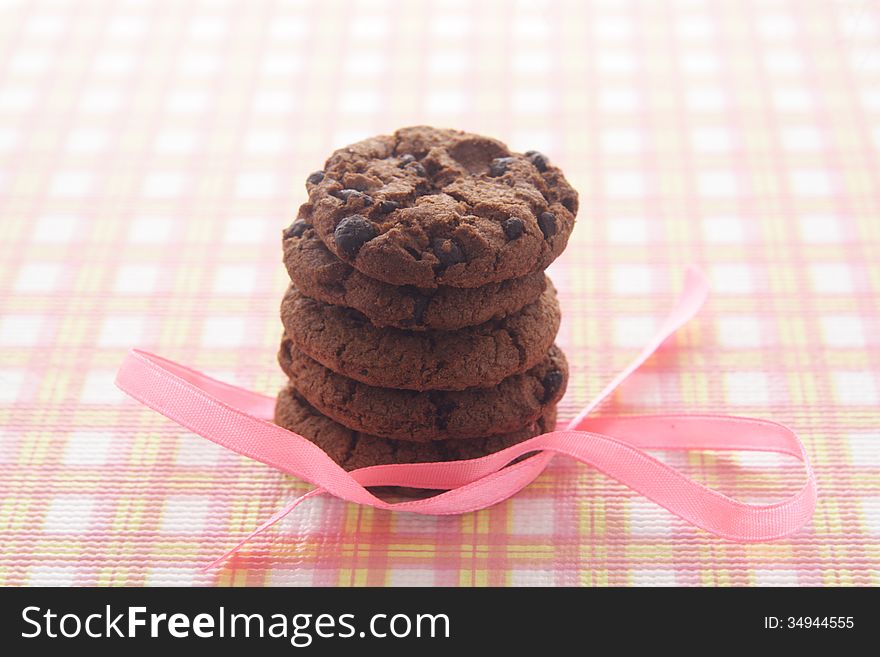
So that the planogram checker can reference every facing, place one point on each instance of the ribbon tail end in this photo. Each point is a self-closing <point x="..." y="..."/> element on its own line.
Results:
<point x="263" y="527"/>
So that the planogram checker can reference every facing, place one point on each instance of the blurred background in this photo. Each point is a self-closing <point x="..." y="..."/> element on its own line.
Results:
<point x="151" y="153"/>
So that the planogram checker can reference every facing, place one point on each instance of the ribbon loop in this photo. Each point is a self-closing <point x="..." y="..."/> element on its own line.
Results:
<point x="240" y="421"/>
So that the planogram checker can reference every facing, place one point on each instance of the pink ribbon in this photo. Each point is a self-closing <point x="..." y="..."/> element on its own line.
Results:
<point x="240" y="420"/>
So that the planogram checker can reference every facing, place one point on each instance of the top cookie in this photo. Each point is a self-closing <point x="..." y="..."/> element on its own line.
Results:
<point x="429" y="207"/>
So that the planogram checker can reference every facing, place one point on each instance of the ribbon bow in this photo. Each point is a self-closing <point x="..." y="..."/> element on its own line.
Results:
<point x="240" y="420"/>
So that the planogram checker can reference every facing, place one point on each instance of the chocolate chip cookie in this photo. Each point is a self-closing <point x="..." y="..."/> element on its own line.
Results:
<point x="429" y="207"/>
<point x="321" y="275"/>
<point x="433" y="415"/>
<point x="352" y="449"/>
<point x="344" y="340"/>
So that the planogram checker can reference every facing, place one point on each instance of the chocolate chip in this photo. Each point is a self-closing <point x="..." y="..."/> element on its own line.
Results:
<point x="499" y="165"/>
<point x="448" y="251"/>
<point x="443" y="408"/>
<point x="551" y="382"/>
<point x="570" y="204"/>
<point x="513" y="227"/>
<point x="352" y="233"/>
<point x="388" y="206"/>
<point x="356" y="316"/>
<point x="539" y="160"/>
<point x="345" y="194"/>
<point x="296" y="229"/>
<point x="547" y="223"/>
<point x="417" y="168"/>
<point x="406" y="159"/>
<point x="420" y="305"/>
<point x="315" y="178"/>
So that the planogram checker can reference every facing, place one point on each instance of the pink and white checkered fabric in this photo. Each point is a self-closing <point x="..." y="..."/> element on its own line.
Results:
<point x="150" y="153"/>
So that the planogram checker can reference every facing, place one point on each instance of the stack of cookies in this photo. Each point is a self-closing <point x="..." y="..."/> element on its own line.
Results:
<point x="419" y="324"/>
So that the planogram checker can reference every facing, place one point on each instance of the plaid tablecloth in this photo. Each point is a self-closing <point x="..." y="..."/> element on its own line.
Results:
<point x="150" y="153"/>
